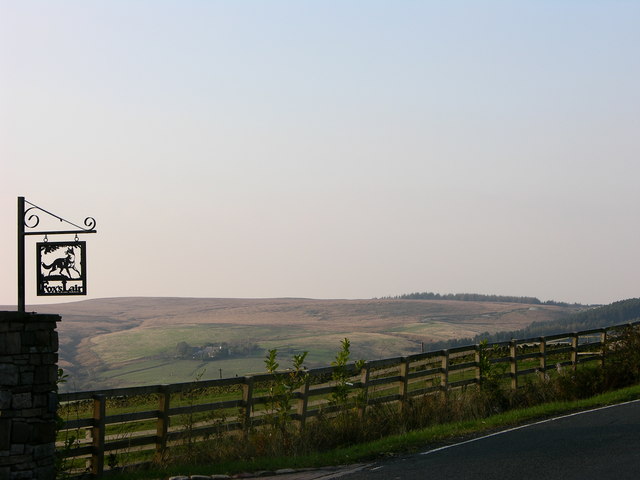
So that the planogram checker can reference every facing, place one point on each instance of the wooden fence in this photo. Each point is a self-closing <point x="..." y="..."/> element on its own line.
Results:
<point x="105" y="429"/>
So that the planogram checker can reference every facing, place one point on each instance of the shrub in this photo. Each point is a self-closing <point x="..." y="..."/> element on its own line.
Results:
<point x="622" y="363"/>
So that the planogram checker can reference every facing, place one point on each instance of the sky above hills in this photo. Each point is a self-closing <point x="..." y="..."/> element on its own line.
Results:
<point x="328" y="149"/>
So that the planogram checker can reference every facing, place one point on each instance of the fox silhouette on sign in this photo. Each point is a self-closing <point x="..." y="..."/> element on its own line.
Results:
<point x="61" y="268"/>
<point x="66" y="263"/>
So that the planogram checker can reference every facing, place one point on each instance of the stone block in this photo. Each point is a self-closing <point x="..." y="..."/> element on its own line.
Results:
<point x="17" y="449"/>
<point x="54" y="343"/>
<point x="7" y="414"/>
<point x="9" y="375"/>
<point x="33" y="326"/>
<point x="42" y="338"/>
<point x="5" y="434"/>
<point x="45" y="451"/>
<point x="20" y="432"/>
<point x="31" y="413"/>
<point x="5" y="399"/>
<point x="52" y="402"/>
<point x="44" y="432"/>
<point x="28" y="340"/>
<point x="43" y="388"/>
<point x="10" y="343"/>
<point x="9" y="459"/>
<point x="19" y="359"/>
<point x="23" y="475"/>
<point x="22" y="389"/>
<point x="53" y="375"/>
<point x="47" y="358"/>
<point x="40" y="324"/>
<point x="35" y="359"/>
<point x="27" y="376"/>
<point x="45" y="472"/>
<point x="22" y="400"/>
<point x="43" y="374"/>
<point x="16" y="326"/>
<point x="40" y="400"/>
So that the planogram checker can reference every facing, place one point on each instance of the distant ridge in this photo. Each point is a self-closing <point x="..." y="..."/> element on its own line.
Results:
<point x="477" y="297"/>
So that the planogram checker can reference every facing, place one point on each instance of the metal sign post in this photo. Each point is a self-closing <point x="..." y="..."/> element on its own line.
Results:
<point x="61" y="266"/>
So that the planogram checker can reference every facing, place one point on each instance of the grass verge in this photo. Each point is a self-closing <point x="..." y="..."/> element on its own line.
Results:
<point x="427" y="438"/>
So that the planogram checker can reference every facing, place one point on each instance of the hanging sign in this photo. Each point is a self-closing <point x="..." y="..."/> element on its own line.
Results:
<point x="61" y="268"/>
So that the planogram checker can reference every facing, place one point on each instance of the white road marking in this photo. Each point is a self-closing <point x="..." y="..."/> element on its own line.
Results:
<point x="526" y="426"/>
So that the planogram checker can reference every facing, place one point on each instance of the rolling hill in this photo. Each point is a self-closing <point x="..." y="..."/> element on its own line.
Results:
<point x="114" y="342"/>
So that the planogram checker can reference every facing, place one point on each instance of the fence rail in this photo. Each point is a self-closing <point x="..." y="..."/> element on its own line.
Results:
<point x="104" y="429"/>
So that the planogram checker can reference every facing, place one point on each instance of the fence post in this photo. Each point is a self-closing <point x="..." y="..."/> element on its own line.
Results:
<point x="444" y="371"/>
<point x="364" y="379"/>
<point x="603" y="346"/>
<point x="404" y="382"/>
<point x="97" y="435"/>
<point x="574" y="350"/>
<point x="162" y="425"/>
<point x="513" y="362"/>
<point x="303" y="403"/>
<point x="477" y="360"/>
<point x="247" y="399"/>
<point x="543" y="357"/>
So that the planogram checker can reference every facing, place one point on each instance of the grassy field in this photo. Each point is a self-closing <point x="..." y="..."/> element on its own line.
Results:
<point x="147" y="356"/>
<point x="115" y="342"/>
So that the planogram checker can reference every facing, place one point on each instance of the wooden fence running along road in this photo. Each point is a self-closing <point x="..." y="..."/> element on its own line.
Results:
<point x="104" y="429"/>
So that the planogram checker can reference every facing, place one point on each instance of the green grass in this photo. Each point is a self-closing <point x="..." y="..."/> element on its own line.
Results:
<point x="322" y="347"/>
<point x="158" y="371"/>
<point x="418" y="440"/>
<point x="145" y="356"/>
<point x="119" y="347"/>
<point x="430" y="328"/>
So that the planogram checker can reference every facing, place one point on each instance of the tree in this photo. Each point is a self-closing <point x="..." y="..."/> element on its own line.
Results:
<point x="183" y="349"/>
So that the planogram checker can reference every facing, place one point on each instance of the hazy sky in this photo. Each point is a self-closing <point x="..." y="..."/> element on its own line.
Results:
<point x="329" y="149"/>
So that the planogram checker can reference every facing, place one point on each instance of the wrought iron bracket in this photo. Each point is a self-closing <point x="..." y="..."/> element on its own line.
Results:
<point x="29" y="218"/>
<point x="32" y="220"/>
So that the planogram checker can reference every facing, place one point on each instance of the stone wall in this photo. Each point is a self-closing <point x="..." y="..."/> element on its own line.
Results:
<point x="28" y="374"/>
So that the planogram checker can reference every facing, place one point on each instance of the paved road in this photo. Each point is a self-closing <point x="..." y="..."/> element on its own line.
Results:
<point x="602" y="444"/>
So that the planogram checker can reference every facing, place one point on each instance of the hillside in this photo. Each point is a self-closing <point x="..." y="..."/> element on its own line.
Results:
<point x="132" y="341"/>
<point x="617" y="313"/>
